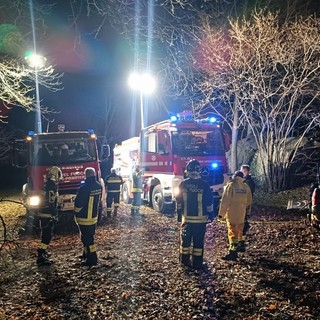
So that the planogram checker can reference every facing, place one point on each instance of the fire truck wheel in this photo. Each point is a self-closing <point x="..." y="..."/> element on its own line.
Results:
<point x="126" y="194"/>
<point x="158" y="201"/>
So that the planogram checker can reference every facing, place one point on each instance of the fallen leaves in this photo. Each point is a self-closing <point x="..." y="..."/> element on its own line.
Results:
<point x="139" y="277"/>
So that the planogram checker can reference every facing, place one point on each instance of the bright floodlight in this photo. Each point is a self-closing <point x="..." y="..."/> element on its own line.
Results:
<point x="143" y="82"/>
<point x="35" y="60"/>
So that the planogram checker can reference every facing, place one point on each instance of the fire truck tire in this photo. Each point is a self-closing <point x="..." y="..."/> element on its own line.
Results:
<point x="158" y="201"/>
<point x="126" y="194"/>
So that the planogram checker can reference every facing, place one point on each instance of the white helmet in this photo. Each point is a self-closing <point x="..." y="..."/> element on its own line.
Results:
<point x="55" y="174"/>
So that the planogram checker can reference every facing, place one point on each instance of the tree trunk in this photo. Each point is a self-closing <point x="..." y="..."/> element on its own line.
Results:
<point x="234" y="142"/>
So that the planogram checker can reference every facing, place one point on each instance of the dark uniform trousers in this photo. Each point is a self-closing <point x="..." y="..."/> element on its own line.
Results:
<point x="192" y="232"/>
<point x="112" y="197"/>
<point x="46" y="226"/>
<point x="87" y="239"/>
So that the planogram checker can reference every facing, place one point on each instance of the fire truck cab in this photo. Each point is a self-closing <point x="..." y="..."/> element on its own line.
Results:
<point x="72" y="152"/>
<point x="163" y="151"/>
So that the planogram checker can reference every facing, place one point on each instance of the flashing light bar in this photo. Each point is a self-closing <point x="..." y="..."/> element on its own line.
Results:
<point x="92" y="134"/>
<point x="30" y="135"/>
<point x="173" y="118"/>
<point x="189" y="118"/>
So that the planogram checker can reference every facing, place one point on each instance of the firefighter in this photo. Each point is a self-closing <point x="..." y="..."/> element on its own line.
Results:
<point x="86" y="215"/>
<point x="194" y="208"/>
<point x="48" y="214"/>
<point x="247" y="178"/>
<point x="136" y="190"/>
<point x="235" y="199"/>
<point x="113" y="185"/>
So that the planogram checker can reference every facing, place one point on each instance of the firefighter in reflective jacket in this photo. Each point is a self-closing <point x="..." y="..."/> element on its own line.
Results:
<point x="194" y="208"/>
<point x="113" y="184"/>
<point x="86" y="215"/>
<point x="48" y="214"/>
<point x="136" y="190"/>
<point x="235" y="199"/>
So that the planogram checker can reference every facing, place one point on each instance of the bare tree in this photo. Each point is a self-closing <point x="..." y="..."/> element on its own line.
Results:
<point x="5" y="139"/>
<point x="17" y="81"/>
<point x="269" y="71"/>
<point x="178" y="31"/>
<point x="19" y="26"/>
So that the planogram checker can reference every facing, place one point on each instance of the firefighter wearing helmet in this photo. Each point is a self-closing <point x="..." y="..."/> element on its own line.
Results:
<point x="86" y="207"/>
<point x="194" y="208"/>
<point x="48" y="214"/>
<point x="113" y="185"/>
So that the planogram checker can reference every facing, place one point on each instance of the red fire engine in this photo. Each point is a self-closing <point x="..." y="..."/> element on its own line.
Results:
<point x="72" y="152"/>
<point x="164" y="149"/>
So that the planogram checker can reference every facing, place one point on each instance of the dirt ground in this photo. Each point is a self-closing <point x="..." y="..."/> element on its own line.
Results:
<point x="139" y="277"/>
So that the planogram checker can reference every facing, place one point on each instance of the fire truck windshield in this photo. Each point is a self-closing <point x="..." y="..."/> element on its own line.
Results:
<point x="198" y="143"/>
<point x="66" y="152"/>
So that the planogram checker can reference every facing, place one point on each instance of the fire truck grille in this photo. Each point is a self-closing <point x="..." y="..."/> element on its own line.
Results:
<point x="214" y="178"/>
<point x="69" y="188"/>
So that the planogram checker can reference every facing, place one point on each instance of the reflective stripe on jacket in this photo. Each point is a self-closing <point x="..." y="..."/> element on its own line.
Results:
<point x="113" y="182"/>
<point x="195" y="201"/>
<point x="49" y="208"/>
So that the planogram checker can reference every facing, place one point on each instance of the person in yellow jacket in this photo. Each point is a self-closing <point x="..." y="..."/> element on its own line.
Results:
<point x="235" y="199"/>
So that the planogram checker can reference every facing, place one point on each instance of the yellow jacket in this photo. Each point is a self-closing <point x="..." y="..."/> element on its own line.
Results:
<point x="235" y="199"/>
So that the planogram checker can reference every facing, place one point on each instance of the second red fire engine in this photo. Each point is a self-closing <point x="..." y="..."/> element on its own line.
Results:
<point x="164" y="149"/>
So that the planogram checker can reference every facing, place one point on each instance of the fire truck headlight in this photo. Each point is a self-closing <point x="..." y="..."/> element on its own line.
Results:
<point x="34" y="201"/>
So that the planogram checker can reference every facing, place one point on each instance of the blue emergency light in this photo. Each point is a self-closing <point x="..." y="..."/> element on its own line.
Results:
<point x="212" y="119"/>
<point x="31" y="133"/>
<point x="173" y="118"/>
<point x="214" y="165"/>
<point x="90" y="131"/>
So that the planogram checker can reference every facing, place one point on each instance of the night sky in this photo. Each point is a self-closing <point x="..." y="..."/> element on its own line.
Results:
<point x="95" y="78"/>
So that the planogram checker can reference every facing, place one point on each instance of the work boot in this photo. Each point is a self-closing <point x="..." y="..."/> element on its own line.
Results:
<point x="232" y="255"/>
<point x="115" y="211"/>
<point x="42" y="259"/>
<point x="92" y="260"/>
<point x="241" y="247"/>
<point x="83" y="257"/>
<point x="47" y="254"/>
<point x="133" y="211"/>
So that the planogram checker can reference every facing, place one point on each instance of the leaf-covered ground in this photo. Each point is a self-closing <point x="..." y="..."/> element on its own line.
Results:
<point x="139" y="277"/>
